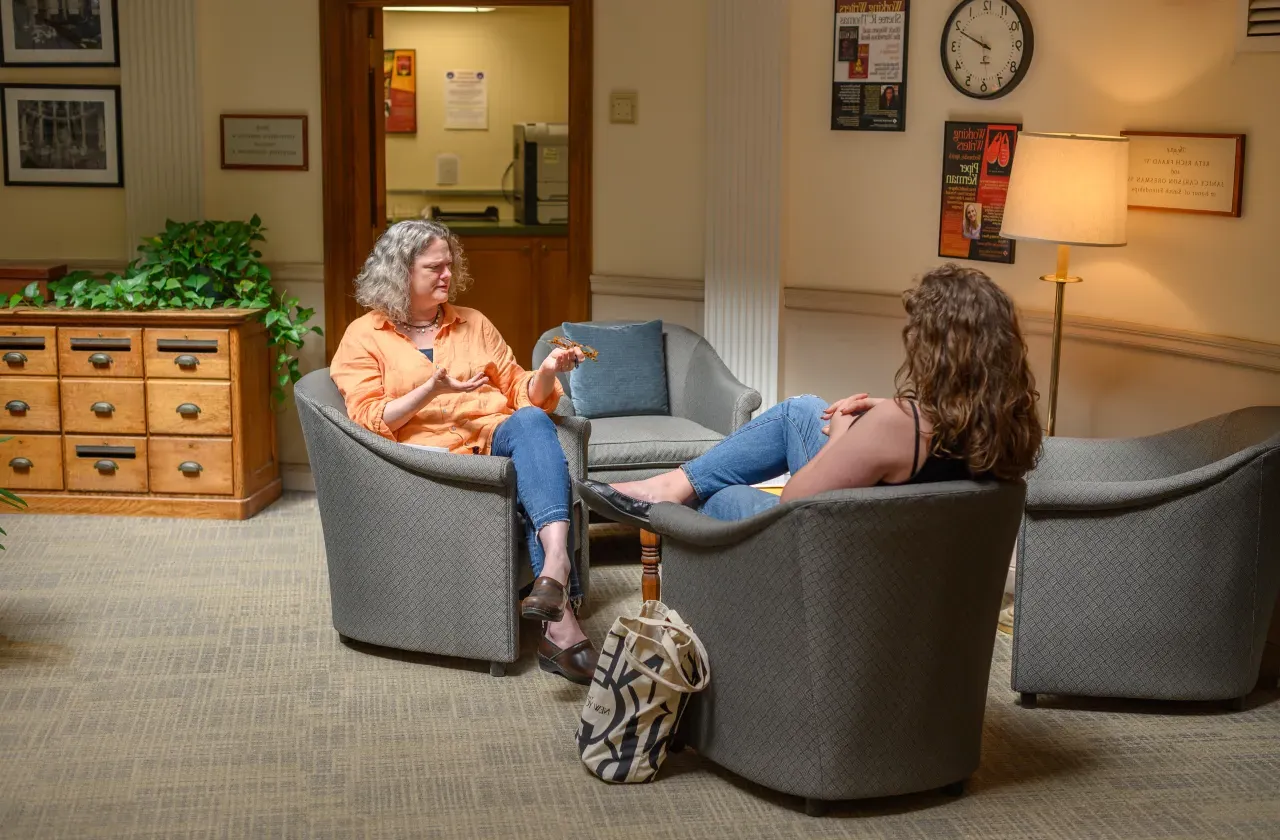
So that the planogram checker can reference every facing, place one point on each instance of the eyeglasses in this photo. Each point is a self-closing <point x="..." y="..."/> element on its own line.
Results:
<point x="562" y="342"/>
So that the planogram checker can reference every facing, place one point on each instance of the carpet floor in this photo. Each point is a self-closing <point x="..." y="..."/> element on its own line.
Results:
<point x="165" y="678"/>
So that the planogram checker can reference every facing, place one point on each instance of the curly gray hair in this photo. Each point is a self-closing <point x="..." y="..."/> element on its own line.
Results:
<point x="383" y="283"/>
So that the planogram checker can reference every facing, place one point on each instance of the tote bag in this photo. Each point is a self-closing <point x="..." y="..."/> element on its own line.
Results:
<point x="648" y="667"/>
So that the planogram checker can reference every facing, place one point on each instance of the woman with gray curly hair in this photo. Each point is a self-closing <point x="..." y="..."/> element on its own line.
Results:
<point x="418" y="369"/>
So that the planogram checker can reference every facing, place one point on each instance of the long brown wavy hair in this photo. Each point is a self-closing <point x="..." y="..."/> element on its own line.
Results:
<point x="967" y="369"/>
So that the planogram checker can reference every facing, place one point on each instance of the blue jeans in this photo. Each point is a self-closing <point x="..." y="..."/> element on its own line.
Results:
<point x="782" y="439"/>
<point x="528" y="438"/>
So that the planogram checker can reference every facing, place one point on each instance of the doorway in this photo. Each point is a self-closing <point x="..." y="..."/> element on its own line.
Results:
<point x="531" y="270"/>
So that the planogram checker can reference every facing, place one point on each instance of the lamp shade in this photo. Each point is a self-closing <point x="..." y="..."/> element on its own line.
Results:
<point x="1072" y="189"/>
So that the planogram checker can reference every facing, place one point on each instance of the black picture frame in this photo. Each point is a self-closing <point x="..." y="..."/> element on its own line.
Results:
<point x="109" y="52"/>
<point x="116" y="143"/>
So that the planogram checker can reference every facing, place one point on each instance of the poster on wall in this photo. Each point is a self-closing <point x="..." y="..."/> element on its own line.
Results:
<point x="400" y="100"/>
<point x="466" y="99"/>
<point x="869" y="84"/>
<point x="976" y="161"/>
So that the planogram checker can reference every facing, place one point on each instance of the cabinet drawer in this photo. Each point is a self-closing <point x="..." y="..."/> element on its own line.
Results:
<point x="190" y="465"/>
<point x="188" y="354"/>
<point x="106" y="464"/>
<point x="104" y="406"/>
<point x="85" y="351"/>
<point x="31" y="462"/>
<point x="30" y="404"/>
<point x="188" y="408"/>
<point x="29" y="351"/>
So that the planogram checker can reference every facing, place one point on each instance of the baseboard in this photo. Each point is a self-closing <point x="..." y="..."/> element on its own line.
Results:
<point x="298" y="477"/>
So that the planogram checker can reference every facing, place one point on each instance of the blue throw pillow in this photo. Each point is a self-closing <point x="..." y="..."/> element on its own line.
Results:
<point x="630" y="375"/>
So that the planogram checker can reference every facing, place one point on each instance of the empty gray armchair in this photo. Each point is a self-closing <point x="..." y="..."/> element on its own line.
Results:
<point x="850" y="634"/>
<point x="706" y="403"/>
<point x="1148" y="567"/>
<point x="424" y="548"/>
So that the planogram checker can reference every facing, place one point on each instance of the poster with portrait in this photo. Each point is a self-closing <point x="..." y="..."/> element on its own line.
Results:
<point x="400" y="96"/>
<point x="869" y="66"/>
<point x="976" y="161"/>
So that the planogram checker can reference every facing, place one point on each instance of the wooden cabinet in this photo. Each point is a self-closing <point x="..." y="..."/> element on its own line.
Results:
<point x="521" y="284"/>
<point x="144" y="413"/>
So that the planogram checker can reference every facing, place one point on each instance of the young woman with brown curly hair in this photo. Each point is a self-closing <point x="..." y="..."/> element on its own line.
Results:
<point x="965" y="409"/>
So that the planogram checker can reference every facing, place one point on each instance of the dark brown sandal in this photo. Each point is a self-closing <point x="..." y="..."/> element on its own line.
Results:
<point x="546" y="601"/>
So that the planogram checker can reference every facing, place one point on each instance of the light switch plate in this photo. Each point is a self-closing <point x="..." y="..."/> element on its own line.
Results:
<point x="623" y="106"/>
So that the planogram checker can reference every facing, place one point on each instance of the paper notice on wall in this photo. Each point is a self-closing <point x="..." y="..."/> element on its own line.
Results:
<point x="466" y="99"/>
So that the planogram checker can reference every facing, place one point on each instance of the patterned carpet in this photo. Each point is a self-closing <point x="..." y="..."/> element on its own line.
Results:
<point x="176" y="678"/>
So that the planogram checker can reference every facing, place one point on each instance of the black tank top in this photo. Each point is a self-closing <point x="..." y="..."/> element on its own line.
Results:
<point x="936" y="467"/>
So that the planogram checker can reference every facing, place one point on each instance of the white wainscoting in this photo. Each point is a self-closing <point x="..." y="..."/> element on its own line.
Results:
<point x="1118" y="379"/>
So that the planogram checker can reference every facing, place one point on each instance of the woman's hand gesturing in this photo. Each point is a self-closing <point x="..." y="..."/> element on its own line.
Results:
<point x="442" y="383"/>
<point x="562" y="359"/>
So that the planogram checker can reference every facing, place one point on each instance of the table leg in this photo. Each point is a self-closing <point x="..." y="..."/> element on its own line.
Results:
<point x="651" y="559"/>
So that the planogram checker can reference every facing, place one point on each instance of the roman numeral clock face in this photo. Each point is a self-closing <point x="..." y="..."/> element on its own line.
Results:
<point x="986" y="47"/>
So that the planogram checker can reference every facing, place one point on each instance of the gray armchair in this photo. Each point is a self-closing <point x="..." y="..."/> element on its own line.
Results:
<point x="1148" y="567"/>
<point x="850" y="634"/>
<point x="706" y="403"/>
<point x="424" y="548"/>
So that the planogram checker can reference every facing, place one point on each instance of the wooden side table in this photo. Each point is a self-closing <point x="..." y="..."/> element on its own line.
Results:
<point x="651" y="559"/>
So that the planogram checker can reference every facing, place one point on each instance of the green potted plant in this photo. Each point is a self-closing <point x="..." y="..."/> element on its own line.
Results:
<point x="10" y="499"/>
<point x="194" y="265"/>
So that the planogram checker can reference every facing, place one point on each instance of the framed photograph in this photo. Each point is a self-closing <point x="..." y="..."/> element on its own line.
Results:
<point x="265" y="141"/>
<point x="62" y="135"/>
<point x="52" y="33"/>
<point x="1186" y="173"/>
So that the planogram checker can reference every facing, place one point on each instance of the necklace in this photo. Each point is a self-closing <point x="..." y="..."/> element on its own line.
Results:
<point x="422" y="328"/>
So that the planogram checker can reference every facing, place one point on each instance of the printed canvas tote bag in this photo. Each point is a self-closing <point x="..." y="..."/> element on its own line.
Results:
<point x="648" y="667"/>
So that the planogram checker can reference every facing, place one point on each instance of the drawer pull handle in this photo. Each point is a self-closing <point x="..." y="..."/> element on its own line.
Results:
<point x="20" y="463"/>
<point x="189" y="468"/>
<point x="106" y="465"/>
<point x="13" y="357"/>
<point x="188" y="409"/>
<point x="100" y="359"/>
<point x="102" y="408"/>
<point x="16" y="407"/>
<point x="186" y="360"/>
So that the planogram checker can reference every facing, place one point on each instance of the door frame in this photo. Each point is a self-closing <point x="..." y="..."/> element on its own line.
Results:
<point x="354" y="207"/>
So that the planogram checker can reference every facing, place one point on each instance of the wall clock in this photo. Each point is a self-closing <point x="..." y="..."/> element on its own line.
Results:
<point x="987" y="46"/>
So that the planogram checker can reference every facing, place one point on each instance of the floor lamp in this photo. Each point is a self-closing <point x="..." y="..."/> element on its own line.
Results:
<point x="1069" y="189"/>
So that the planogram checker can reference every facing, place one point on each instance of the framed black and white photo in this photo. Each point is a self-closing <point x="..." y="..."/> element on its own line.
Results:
<point x="61" y="135"/>
<point x="50" y="33"/>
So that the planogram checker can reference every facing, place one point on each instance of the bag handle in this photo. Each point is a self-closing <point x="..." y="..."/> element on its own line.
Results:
<point x="632" y="659"/>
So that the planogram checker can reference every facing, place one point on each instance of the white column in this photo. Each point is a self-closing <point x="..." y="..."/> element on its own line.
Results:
<point x="747" y="46"/>
<point x="160" y="116"/>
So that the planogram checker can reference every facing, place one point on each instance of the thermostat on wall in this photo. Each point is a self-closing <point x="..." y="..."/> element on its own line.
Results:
<point x="446" y="170"/>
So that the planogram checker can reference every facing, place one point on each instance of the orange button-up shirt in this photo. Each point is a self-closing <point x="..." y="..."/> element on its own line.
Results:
<point x="375" y="364"/>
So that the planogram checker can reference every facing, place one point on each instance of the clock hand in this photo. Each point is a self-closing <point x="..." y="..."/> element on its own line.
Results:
<point x="984" y="44"/>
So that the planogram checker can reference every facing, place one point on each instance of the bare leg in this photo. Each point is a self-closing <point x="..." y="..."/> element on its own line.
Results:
<point x="554" y="537"/>
<point x="566" y="632"/>
<point x="671" y="486"/>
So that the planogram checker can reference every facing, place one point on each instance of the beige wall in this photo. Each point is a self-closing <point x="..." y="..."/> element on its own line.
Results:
<point x="525" y="56"/>
<point x="79" y="223"/>
<point x="649" y="177"/>
<point x="865" y="206"/>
